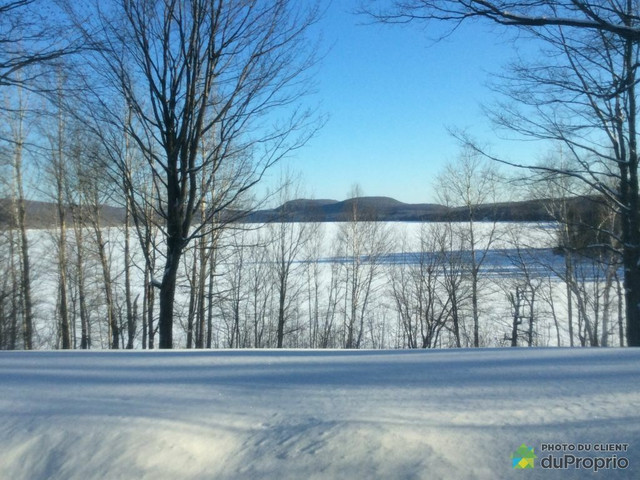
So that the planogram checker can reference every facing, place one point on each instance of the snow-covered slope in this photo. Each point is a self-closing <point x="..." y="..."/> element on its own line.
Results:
<point x="313" y="414"/>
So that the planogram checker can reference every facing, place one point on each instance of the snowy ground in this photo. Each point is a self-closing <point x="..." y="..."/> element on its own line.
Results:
<point x="313" y="414"/>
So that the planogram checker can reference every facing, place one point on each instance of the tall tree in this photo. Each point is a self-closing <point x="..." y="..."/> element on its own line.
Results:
<point x="582" y="92"/>
<point x="416" y="289"/>
<point x="17" y="139"/>
<point x="58" y="144"/>
<point x="287" y="240"/>
<point x="522" y="290"/>
<point x="469" y="183"/>
<point x="193" y="70"/>
<point x="29" y="39"/>
<point x="361" y="242"/>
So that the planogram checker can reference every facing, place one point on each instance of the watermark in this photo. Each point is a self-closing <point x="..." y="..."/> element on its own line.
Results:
<point x="579" y="456"/>
<point x="523" y="458"/>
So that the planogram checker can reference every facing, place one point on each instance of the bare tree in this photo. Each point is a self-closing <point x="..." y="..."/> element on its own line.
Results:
<point x="97" y="191"/>
<point x="521" y="290"/>
<point x="361" y="243"/>
<point x="334" y="297"/>
<point x="16" y="139"/>
<point x="10" y="294"/>
<point x="287" y="240"/>
<point x="452" y="248"/>
<point x="260" y="286"/>
<point x="312" y="255"/>
<point x="8" y="312"/>
<point x="469" y="183"/>
<point x="31" y="36"/>
<point x="232" y="292"/>
<point x="79" y="226"/>
<point x="557" y="190"/>
<point x="417" y="290"/>
<point x="582" y="92"/>
<point x="131" y="305"/>
<point x="29" y="40"/>
<point x="57" y="133"/>
<point x="193" y="70"/>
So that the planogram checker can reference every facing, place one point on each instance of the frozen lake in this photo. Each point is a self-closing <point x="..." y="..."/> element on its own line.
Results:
<point x="513" y="258"/>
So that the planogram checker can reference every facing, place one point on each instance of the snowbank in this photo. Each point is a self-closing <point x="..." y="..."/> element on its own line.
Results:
<point x="314" y="414"/>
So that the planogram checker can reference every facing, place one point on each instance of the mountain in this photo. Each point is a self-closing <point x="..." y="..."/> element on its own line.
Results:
<point x="43" y="215"/>
<point x="368" y="208"/>
<point x="391" y="210"/>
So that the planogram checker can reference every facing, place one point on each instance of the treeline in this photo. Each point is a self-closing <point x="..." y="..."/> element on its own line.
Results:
<point x="172" y="111"/>
<point x="40" y="214"/>
<point x="390" y="210"/>
<point x="360" y="283"/>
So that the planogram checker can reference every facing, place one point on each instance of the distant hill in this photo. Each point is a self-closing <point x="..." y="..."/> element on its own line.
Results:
<point x="368" y="208"/>
<point x="43" y="214"/>
<point x="391" y="210"/>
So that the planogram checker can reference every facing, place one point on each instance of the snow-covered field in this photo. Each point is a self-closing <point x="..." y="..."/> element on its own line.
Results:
<point x="316" y="414"/>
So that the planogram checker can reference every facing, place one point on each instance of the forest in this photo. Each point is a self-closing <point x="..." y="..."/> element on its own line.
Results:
<point x="175" y="112"/>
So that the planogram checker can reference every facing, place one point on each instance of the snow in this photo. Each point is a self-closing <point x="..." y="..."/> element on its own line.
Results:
<point x="311" y="414"/>
<point x="497" y="274"/>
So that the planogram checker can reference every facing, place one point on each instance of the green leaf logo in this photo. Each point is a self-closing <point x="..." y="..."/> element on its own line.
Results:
<point x="523" y="458"/>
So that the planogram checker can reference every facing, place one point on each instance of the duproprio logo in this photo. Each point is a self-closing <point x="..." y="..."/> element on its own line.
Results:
<point x="523" y="458"/>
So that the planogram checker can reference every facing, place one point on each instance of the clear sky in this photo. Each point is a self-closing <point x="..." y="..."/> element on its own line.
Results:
<point x="390" y="92"/>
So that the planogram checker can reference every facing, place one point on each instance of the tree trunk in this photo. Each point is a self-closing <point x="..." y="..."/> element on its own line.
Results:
<point x="515" y="322"/>
<point x="24" y="254"/>
<point x="631" y="220"/>
<point x="65" y="331"/>
<point x="191" y="312"/>
<point x="282" y="297"/>
<point x="14" y="294"/>
<point x="620" y="302"/>
<point x="202" y="277"/>
<point x="131" y="318"/>
<point x="165" y="321"/>
<point x="212" y="268"/>
<point x="145" y="305"/>
<point x="531" y="317"/>
<point x="632" y="299"/>
<point x="606" y="310"/>
<point x="112" y="321"/>
<point x="554" y="314"/>
<point x="150" y="293"/>
<point x="455" y="319"/>
<point x="474" y="281"/>
<point x="20" y="214"/>
<point x="168" y="292"/>
<point x="568" y="258"/>
<point x="85" y="331"/>
<point x="131" y="310"/>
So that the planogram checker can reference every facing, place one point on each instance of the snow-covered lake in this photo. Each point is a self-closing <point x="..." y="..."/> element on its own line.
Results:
<point x="246" y="414"/>
<point x="514" y="247"/>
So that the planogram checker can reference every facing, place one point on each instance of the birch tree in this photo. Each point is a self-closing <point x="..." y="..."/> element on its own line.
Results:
<point x="417" y="291"/>
<point x="29" y="41"/>
<point x="190" y="70"/>
<point x="361" y="243"/>
<point x="469" y="183"/>
<point x="287" y="241"/>
<point x="581" y="92"/>
<point x="18" y="129"/>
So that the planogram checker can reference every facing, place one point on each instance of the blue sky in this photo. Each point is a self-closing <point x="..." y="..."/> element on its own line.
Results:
<point x="390" y="92"/>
